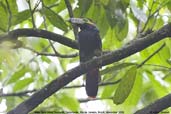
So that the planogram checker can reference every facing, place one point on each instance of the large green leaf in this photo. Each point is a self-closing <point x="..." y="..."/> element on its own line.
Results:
<point x="97" y="14"/>
<point x="108" y="91"/>
<point x="110" y="41"/>
<point x="55" y="19"/>
<point x="17" y="75"/>
<point x="136" y="92"/>
<point x="13" y="6"/>
<point x="83" y="8"/>
<point x="20" y="84"/>
<point x="138" y="13"/>
<point x="20" y="17"/>
<point x="3" y="17"/>
<point x="160" y="58"/>
<point x="121" y="30"/>
<point x="68" y="101"/>
<point x="115" y="12"/>
<point x="125" y="86"/>
<point x="49" y="2"/>
<point x="110" y="9"/>
<point x="160" y="89"/>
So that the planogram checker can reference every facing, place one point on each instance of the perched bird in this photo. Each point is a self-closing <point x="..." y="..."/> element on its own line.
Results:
<point x="89" y="46"/>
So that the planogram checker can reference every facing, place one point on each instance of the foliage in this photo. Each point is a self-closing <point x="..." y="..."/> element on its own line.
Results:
<point x="119" y="22"/>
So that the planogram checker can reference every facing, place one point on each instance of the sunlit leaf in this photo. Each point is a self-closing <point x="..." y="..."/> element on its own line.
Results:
<point x="69" y="102"/>
<point x="3" y="17"/>
<point x="84" y="6"/>
<point x="125" y="86"/>
<point x="49" y="2"/>
<point x="18" y="74"/>
<point x="121" y="30"/>
<point x="13" y="6"/>
<point x="108" y="91"/>
<point x="20" y="84"/>
<point x="156" y="84"/>
<point x="20" y="17"/>
<point x="110" y="42"/>
<point x="136" y="92"/>
<point x="104" y="2"/>
<point x="98" y="15"/>
<point x="55" y="19"/>
<point x="139" y="14"/>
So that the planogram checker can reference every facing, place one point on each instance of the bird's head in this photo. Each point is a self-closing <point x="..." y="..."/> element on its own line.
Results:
<point x="83" y="23"/>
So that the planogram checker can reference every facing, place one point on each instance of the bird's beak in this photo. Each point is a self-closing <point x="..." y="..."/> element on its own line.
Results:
<point x="76" y="20"/>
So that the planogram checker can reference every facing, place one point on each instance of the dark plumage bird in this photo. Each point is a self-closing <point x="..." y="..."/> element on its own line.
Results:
<point x="89" y="46"/>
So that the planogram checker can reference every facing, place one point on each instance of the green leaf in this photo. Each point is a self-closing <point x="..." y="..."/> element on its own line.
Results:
<point x="55" y="19"/>
<point x="108" y="91"/>
<point x="17" y="75"/>
<point x="104" y="2"/>
<point x="139" y="14"/>
<point x="121" y="30"/>
<point x="68" y="101"/>
<point x="168" y="5"/>
<point x="3" y="17"/>
<point x="136" y="92"/>
<point x="13" y="6"/>
<point x="10" y="102"/>
<point x="115" y="68"/>
<point x="160" y="89"/>
<point x="125" y="86"/>
<point x="98" y="15"/>
<point x="49" y="2"/>
<point x="83" y="8"/>
<point x="110" y="41"/>
<point x="22" y="83"/>
<point x="110" y="11"/>
<point x="20" y="17"/>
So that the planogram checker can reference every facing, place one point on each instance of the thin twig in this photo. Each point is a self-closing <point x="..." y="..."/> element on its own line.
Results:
<point x="100" y="84"/>
<point x="75" y="28"/>
<point x="152" y="14"/>
<point x="36" y="6"/>
<point x="95" y="99"/>
<point x="32" y="14"/>
<point x="51" y="54"/>
<point x="24" y="93"/>
<point x="53" y="5"/>
<point x="149" y="57"/>
<point x="18" y="94"/>
<point x="50" y="42"/>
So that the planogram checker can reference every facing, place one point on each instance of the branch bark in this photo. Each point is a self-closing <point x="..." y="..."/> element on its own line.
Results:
<point x="157" y="106"/>
<point x="129" y="49"/>
<point x="37" y="33"/>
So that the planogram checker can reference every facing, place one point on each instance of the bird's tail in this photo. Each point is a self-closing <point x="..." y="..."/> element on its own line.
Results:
<point x="92" y="79"/>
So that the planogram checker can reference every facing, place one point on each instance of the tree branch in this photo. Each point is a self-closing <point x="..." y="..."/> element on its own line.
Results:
<point x="57" y="54"/>
<point x="58" y="83"/>
<point x="100" y="84"/>
<point x="157" y="106"/>
<point x="86" y="100"/>
<point x="24" y="93"/>
<point x="19" y="94"/>
<point x="39" y="33"/>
